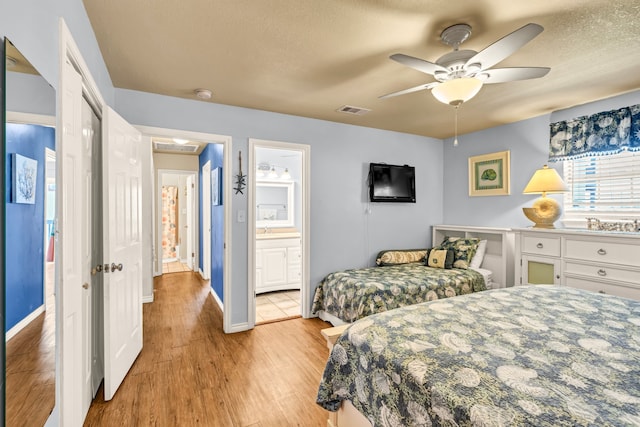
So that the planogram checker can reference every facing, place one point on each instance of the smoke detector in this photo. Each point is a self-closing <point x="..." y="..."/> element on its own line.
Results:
<point x="203" y="93"/>
<point x="10" y="62"/>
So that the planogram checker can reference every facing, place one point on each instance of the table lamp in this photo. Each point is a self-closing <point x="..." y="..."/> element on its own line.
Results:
<point x="545" y="210"/>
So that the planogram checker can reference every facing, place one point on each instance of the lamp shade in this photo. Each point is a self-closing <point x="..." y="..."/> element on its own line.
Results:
<point x="544" y="181"/>
<point x="457" y="91"/>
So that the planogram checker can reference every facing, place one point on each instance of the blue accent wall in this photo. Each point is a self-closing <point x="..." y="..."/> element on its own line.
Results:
<point x="213" y="153"/>
<point x="24" y="272"/>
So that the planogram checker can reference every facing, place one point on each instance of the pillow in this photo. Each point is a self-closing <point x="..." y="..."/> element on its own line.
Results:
<point x="440" y="258"/>
<point x="464" y="249"/>
<point x="476" y="261"/>
<point x="400" y="256"/>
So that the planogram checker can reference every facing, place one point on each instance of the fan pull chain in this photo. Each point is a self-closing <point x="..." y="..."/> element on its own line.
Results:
<point x="455" y="139"/>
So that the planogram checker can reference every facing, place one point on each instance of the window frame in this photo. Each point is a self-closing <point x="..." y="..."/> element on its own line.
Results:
<point x="577" y="218"/>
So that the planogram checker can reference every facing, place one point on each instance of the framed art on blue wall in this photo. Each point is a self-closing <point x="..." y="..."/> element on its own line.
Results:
<point x="216" y="186"/>
<point x="489" y="174"/>
<point x="24" y="179"/>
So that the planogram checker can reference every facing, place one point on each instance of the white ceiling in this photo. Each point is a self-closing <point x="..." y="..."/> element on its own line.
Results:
<point x="310" y="57"/>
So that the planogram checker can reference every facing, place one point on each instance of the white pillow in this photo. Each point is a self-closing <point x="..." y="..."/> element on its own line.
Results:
<point x="476" y="261"/>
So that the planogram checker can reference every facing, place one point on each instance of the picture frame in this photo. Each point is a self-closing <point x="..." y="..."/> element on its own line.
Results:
<point x="490" y="174"/>
<point x="24" y="179"/>
<point x="216" y="180"/>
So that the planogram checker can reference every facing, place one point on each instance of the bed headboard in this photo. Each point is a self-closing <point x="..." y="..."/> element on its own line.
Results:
<point x="500" y="248"/>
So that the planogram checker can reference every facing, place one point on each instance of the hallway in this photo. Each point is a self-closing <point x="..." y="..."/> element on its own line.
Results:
<point x="191" y="373"/>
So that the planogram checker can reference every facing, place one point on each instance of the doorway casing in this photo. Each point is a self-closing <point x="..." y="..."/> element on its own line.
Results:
<point x="305" y="150"/>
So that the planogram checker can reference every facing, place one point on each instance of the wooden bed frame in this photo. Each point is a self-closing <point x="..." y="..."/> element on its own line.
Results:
<point x="498" y="258"/>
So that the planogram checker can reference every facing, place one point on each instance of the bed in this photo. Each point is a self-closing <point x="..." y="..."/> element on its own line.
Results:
<point x="527" y="355"/>
<point x="348" y="295"/>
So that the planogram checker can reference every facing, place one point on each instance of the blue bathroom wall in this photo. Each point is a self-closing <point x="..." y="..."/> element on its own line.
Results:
<point x="25" y="225"/>
<point x="214" y="153"/>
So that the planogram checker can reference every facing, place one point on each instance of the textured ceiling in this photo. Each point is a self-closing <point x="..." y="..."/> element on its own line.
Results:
<point x="310" y="57"/>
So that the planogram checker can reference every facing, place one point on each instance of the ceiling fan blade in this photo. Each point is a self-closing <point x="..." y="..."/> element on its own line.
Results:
<point x="506" y="46"/>
<point x="418" y="64"/>
<point x="501" y="75"/>
<point x="412" y="89"/>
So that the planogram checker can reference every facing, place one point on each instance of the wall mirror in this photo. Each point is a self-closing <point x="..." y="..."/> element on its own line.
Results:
<point x="29" y="252"/>
<point x="274" y="204"/>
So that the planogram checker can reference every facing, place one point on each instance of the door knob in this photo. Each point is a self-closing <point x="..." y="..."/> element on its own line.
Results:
<point x="97" y="269"/>
<point x="115" y="267"/>
<point x="85" y="286"/>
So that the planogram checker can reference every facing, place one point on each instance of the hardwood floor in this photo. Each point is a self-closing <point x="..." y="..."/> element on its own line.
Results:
<point x="190" y="373"/>
<point x="30" y="367"/>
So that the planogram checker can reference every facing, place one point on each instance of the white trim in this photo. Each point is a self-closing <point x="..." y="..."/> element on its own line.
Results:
<point x="147" y="299"/>
<point x="227" y="192"/>
<point x="24" y="322"/>
<point x="30" y="119"/>
<point x="305" y="287"/>
<point x="238" y="327"/>
<point x="216" y="298"/>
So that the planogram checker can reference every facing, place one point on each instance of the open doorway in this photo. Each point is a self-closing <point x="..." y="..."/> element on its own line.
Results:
<point x="279" y="229"/>
<point x="177" y="220"/>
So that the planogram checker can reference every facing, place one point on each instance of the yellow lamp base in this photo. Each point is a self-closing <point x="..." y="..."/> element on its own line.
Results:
<point x="544" y="213"/>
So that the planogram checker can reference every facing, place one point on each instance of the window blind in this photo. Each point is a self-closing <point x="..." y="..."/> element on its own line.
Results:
<point x="603" y="183"/>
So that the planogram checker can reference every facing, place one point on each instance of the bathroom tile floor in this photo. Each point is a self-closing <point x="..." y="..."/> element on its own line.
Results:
<point x="174" y="267"/>
<point x="274" y="306"/>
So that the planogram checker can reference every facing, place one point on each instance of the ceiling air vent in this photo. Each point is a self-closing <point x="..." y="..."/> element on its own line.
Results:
<point x="167" y="146"/>
<point x="350" y="109"/>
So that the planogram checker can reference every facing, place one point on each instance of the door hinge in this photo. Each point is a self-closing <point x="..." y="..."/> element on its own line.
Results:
<point x="193" y="185"/>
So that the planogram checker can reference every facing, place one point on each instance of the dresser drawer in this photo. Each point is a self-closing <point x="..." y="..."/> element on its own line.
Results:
<point x="604" y="288"/>
<point x="597" y="272"/>
<point x="603" y="251"/>
<point x="541" y="245"/>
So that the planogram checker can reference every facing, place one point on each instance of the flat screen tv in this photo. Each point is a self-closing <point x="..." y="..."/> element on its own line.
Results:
<point x="391" y="183"/>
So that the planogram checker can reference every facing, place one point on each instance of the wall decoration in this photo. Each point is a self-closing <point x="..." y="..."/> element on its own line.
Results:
<point x="489" y="174"/>
<point x="25" y="173"/>
<point x="241" y="180"/>
<point x="216" y="191"/>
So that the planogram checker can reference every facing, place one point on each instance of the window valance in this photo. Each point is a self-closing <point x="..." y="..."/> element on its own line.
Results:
<point x="605" y="133"/>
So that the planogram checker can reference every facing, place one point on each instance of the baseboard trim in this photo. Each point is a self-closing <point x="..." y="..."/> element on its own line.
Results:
<point x="24" y="322"/>
<point x="147" y="299"/>
<point x="217" y="299"/>
<point x="239" y="327"/>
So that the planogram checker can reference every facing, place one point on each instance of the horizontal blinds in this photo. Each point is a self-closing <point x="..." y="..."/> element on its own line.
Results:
<point x="603" y="183"/>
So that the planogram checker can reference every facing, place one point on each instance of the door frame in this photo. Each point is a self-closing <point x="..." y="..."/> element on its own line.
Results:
<point x="305" y="288"/>
<point x="227" y="192"/>
<point x="69" y="52"/>
<point x="191" y="211"/>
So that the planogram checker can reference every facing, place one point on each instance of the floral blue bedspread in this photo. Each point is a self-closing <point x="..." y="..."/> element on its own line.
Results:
<point x="523" y="356"/>
<point x="354" y="294"/>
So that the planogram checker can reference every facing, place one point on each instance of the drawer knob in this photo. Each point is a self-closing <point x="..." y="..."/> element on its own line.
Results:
<point x="602" y="252"/>
<point x="602" y="272"/>
<point x="539" y="246"/>
<point x="601" y="291"/>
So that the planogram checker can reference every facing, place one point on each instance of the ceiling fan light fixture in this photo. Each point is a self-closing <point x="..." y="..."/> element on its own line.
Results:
<point x="456" y="91"/>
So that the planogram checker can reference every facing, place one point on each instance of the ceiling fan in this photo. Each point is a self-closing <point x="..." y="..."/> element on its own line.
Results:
<point x="460" y="74"/>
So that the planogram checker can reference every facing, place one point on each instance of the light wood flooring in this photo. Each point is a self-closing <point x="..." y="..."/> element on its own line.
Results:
<point x="192" y="374"/>
<point x="30" y="367"/>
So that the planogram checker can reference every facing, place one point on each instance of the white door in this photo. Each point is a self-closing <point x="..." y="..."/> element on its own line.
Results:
<point x="206" y="220"/>
<point x="190" y="224"/>
<point x="122" y="189"/>
<point x="73" y="239"/>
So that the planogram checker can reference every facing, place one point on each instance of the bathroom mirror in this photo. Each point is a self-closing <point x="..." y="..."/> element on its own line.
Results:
<point x="29" y="253"/>
<point x="274" y="204"/>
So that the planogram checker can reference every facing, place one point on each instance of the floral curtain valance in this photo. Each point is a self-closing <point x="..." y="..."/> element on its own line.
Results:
<point x="605" y="133"/>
